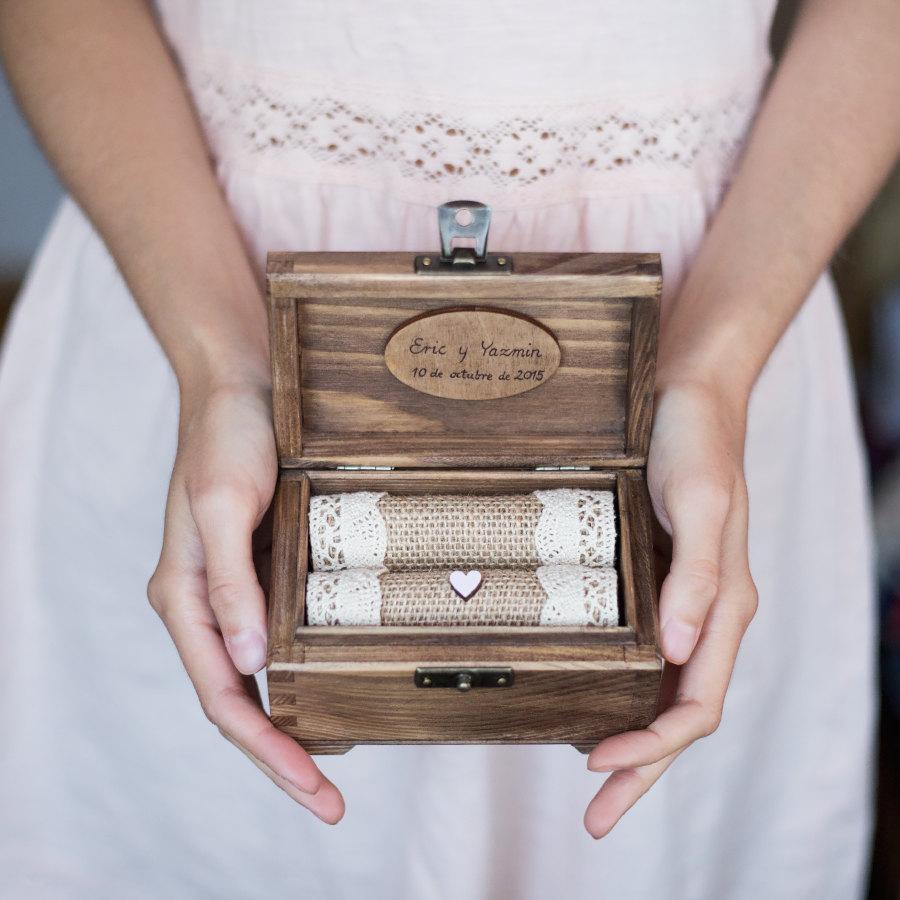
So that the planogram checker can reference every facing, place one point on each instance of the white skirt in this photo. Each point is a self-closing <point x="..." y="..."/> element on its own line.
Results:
<point x="113" y="784"/>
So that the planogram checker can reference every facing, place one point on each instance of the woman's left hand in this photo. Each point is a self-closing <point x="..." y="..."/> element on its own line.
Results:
<point x="205" y="588"/>
<point x="708" y="598"/>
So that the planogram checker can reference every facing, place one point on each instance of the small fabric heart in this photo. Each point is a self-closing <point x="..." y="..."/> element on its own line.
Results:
<point x="465" y="584"/>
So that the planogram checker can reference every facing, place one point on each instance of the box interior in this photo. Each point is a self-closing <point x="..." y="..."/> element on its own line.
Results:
<point x="462" y="482"/>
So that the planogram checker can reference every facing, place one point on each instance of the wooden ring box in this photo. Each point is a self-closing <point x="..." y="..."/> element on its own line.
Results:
<point x="341" y="417"/>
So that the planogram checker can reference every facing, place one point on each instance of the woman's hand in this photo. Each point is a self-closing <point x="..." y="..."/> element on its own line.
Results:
<point x="205" y="587"/>
<point x="699" y="495"/>
<point x="764" y="250"/>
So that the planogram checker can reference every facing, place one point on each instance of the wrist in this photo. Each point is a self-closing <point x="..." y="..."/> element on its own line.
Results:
<point x="225" y="389"/>
<point x="717" y="382"/>
<point x="223" y="362"/>
<point x="224" y="343"/>
<point x="713" y="390"/>
<point x="706" y="346"/>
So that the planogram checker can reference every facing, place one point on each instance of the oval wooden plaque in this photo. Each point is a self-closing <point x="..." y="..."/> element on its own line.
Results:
<point x="472" y="354"/>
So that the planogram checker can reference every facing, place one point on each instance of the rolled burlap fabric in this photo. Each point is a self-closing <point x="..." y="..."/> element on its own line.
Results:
<point x="365" y="529"/>
<point x="550" y="595"/>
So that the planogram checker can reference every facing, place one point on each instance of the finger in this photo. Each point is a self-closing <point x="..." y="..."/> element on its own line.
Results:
<point x="703" y="680"/>
<point x="329" y="804"/>
<point x="698" y="707"/>
<point x="619" y="793"/>
<point x="698" y="510"/>
<point x="228" y="704"/>
<point x="225" y="518"/>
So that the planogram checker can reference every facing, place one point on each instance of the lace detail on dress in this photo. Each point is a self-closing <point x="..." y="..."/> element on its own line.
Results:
<point x="351" y="597"/>
<point x="433" y="143"/>
<point x="347" y="531"/>
<point x="576" y="526"/>
<point x="576" y="595"/>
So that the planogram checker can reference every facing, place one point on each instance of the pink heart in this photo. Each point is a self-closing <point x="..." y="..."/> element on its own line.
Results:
<point x="465" y="584"/>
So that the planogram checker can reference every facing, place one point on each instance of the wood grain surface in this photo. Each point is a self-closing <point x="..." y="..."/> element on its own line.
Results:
<point x="337" y="403"/>
<point x="548" y="703"/>
<point x="354" y="411"/>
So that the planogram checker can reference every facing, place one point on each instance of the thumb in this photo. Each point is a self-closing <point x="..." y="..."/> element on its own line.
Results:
<point x="225" y="518"/>
<point x="697" y="512"/>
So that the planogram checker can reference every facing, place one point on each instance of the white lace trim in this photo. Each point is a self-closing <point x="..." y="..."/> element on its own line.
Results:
<point x="347" y="531"/>
<point x="576" y="526"/>
<point x="443" y="144"/>
<point x="577" y="595"/>
<point x="351" y="597"/>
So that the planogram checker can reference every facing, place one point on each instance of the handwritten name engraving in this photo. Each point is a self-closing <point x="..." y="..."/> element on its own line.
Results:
<point x="472" y="354"/>
<point x="420" y="345"/>
<point x="515" y="352"/>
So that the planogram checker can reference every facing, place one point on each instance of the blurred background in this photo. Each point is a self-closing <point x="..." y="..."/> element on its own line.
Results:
<point x="28" y="195"/>
<point x="867" y="270"/>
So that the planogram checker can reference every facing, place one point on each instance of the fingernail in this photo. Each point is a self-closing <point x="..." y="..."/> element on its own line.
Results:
<point x="678" y="640"/>
<point x="248" y="650"/>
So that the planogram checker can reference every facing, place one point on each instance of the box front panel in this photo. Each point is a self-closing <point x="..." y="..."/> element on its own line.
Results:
<point x="328" y="708"/>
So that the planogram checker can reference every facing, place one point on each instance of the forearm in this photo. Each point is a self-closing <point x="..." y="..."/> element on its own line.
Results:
<point x="105" y="100"/>
<point x="827" y="134"/>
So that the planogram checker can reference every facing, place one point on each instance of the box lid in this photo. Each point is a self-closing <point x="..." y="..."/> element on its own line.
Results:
<point x="360" y="379"/>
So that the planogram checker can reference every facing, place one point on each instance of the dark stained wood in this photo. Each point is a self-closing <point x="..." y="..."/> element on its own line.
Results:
<point x="285" y="355"/>
<point x="286" y="546"/>
<point x="379" y="703"/>
<point x="634" y="274"/>
<point x="641" y="375"/>
<point x="317" y="748"/>
<point x="350" y="396"/>
<point x="476" y="640"/>
<point x="440" y="648"/>
<point x="474" y="452"/>
<point x="299" y="605"/>
<point x="458" y="481"/>
<point x="338" y="672"/>
<point x="636" y="511"/>
<point x="354" y="410"/>
<point x="337" y="404"/>
<point x="628" y="602"/>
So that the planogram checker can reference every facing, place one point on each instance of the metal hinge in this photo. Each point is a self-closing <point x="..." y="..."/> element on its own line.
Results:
<point x="562" y="468"/>
<point x="365" y="468"/>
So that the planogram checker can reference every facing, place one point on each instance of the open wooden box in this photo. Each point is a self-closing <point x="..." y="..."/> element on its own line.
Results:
<point x="339" y="412"/>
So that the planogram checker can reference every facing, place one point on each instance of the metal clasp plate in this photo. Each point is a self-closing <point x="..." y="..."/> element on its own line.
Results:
<point x="463" y="679"/>
<point x="468" y="221"/>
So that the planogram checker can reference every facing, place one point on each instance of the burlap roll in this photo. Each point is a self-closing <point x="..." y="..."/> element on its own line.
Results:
<point x="550" y="595"/>
<point x="411" y="533"/>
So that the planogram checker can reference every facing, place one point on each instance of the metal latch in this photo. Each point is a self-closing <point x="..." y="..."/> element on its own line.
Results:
<point x="469" y="221"/>
<point x="463" y="679"/>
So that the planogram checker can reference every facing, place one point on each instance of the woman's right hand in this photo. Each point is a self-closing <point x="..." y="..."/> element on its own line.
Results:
<point x="205" y="588"/>
<point x="696" y="481"/>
